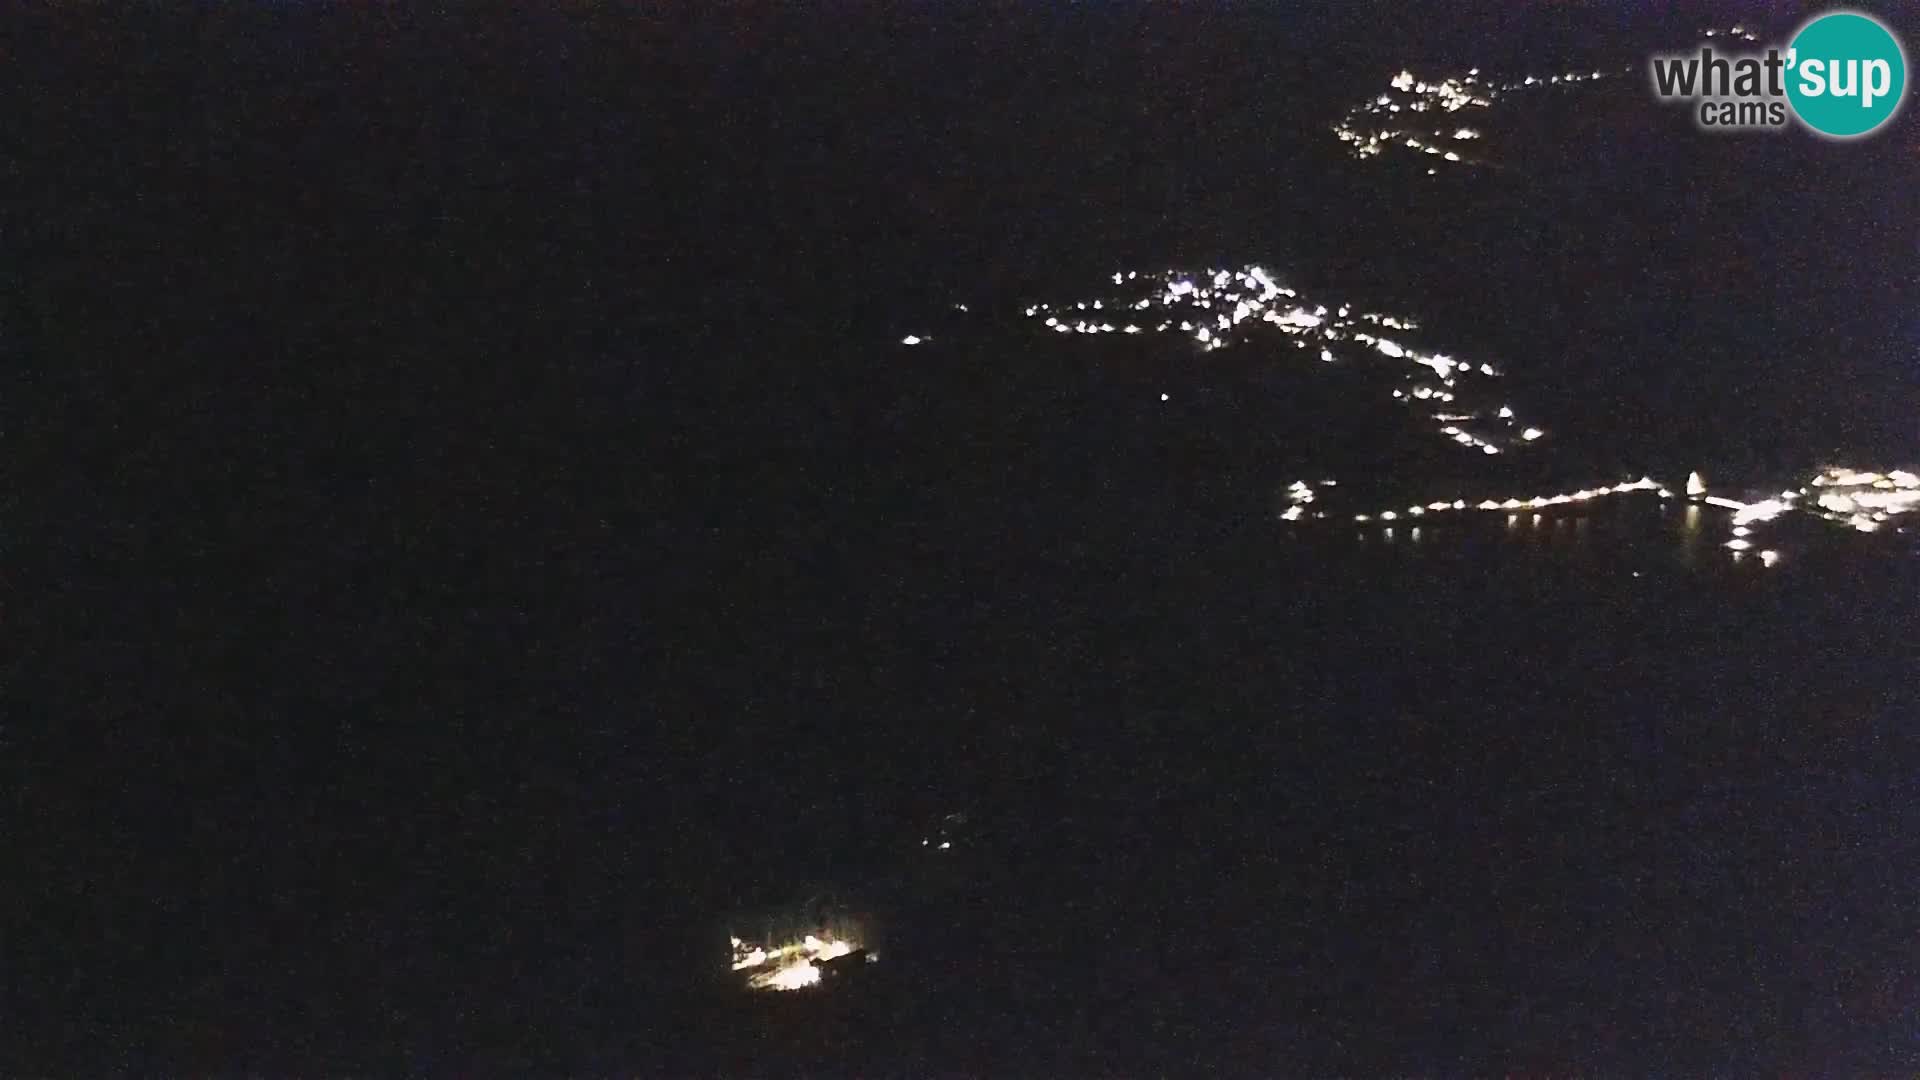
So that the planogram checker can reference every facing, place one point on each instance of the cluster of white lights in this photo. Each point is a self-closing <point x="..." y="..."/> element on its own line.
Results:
<point x="1864" y="500"/>
<point x="1391" y="121"/>
<point x="1738" y="32"/>
<point x="1299" y="494"/>
<point x="788" y="966"/>
<point x="1220" y="308"/>
<point x="1860" y="500"/>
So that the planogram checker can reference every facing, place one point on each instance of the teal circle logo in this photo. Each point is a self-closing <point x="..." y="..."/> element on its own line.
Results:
<point x="1846" y="74"/>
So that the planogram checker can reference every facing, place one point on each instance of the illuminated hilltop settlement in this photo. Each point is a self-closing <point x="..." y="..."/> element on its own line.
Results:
<point x="1434" y="120"/>
<point x="1431" y="118"/>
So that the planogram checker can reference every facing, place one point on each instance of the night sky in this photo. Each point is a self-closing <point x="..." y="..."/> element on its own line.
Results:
<point x="471" y="529"/>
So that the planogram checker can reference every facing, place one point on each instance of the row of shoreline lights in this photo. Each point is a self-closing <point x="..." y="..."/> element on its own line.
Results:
<point x="1863" y="501"/>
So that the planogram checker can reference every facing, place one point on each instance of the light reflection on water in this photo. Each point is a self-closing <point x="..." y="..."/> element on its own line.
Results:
<point x="1636" y="535"/>
<point x="1691" y="535"/>
<point x="1630" y="537"/>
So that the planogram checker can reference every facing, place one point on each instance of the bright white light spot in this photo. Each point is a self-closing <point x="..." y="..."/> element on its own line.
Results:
<point x="1164" y="397"/>
<point x="1531" y="434"/>
<point x="911" y="339"/>
<point x="792" y="977"/>
<point x="1765" y="510"/>
<point x="1695" y="485"/>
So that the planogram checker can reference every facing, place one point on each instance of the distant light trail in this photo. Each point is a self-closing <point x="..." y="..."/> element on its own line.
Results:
<point x="1219" y="308"/>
